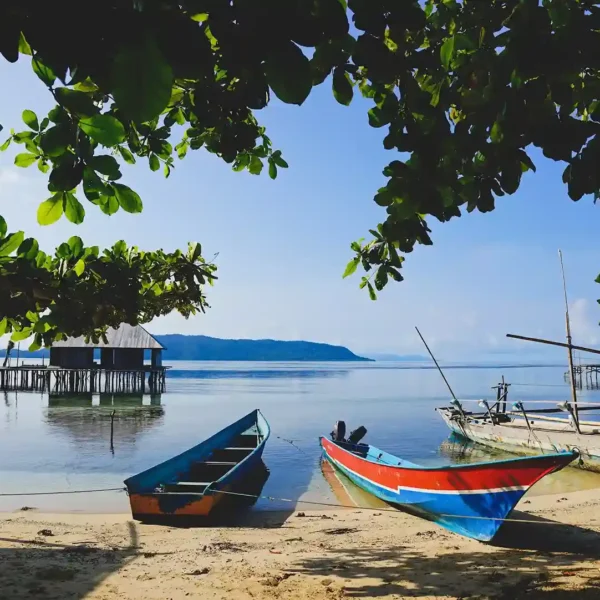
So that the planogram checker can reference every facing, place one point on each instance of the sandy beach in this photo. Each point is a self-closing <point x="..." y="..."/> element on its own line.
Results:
<point x="316" y="555"/>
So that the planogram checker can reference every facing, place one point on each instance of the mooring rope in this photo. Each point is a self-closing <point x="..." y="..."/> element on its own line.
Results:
<point x="118" y="489"/>
<point x="309" y="502"/>
<point x="393" y="510"/>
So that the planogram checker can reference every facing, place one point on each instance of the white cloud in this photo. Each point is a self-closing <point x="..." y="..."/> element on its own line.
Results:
<point x="584" y="323"/>
<point x="10" y="176"/>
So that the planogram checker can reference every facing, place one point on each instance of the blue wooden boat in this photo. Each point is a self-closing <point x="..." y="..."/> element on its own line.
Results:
<point x="470" y="499"/>
<point x="193" y="483"/>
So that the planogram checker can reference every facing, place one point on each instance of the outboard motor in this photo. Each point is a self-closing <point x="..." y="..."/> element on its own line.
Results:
<point x="357" y="435"/>
<point x="339" y="432"/>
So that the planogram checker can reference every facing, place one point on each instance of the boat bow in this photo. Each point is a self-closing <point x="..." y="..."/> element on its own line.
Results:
<point x="472" y="500"/>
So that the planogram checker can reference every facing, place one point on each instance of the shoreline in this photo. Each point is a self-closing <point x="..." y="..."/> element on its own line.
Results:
<point x="323" y="555"/>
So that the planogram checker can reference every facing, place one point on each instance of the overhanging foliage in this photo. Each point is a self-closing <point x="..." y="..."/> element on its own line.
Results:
<point x="463" y="88"/>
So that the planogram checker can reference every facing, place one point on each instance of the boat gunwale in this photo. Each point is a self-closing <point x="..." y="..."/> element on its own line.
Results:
<point x="463" y="467"/>
<point x="211" y="487"/>
<point x="266" y="436"/>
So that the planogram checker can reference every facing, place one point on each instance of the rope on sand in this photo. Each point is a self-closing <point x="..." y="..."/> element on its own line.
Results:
<point x="119" y="489"/>
<point x="309" y="502"/>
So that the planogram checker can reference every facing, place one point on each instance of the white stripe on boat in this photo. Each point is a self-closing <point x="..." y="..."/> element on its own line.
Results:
<point x="515" y="488"/>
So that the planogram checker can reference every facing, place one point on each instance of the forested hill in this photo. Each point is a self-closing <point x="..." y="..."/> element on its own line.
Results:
<point x="201" y="347"/>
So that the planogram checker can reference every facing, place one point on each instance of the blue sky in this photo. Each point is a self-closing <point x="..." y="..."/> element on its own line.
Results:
<point x="284" y="244"/>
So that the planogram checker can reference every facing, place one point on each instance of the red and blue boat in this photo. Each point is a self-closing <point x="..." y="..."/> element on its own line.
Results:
<point x="193" y="483"/>
<point x="470" y="499"/>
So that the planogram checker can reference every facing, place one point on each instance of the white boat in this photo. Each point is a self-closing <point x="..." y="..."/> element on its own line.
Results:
<point x="531" y="431"/>
<point x="527" y="432"/>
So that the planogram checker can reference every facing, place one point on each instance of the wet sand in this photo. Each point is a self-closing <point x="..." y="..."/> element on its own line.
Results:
<point x="352" y="553"/>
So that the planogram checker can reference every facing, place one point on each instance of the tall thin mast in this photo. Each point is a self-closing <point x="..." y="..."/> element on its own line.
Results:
<point x="569" y="341"/>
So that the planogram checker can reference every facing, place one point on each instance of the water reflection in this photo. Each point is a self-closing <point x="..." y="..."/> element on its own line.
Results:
<point x="460" y="450"/>
<point x="346" y="492"/>
<point x="117" y="418"/>
<point x="257" y="374"/>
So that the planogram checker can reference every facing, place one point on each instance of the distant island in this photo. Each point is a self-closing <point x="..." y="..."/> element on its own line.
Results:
<point x="202" y="347"/>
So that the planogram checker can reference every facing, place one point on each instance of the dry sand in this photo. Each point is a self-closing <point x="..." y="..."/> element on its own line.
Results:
<point x="320" y="556"/>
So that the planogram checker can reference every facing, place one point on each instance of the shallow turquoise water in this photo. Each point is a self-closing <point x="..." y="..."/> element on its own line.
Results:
<point x="59" y="443"/>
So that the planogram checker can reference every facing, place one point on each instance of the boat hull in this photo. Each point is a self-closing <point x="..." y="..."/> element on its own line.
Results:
<point x="516" y="437"/>
<point x="149" y="504"/>
<point x="472" y="500"/>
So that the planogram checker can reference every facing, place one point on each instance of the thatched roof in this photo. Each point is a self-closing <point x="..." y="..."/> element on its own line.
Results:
<point x="126" y="336"/>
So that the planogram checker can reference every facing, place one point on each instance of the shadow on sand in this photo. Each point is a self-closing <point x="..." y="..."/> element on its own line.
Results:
<point x="525" y="560"/>
<point x="52" y="570"/>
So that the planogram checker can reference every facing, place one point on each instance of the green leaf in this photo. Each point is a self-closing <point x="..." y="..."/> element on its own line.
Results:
<point x="104" y="129"/>
<point x="74" y="210"/>
<point x="30" y="119"/>
<point x="50" y="210"/>
<point x="76" y="245"/>
<point x="65" y="176"/>
<point x="24" y="47"/>
<point x="43" y="166"/>
<point x="127" y="156"/>
<point x="154" y="162"/>
<point x="109" y="205"/>
<point x="272" y="170"/>
<point x="372" y="293"/>
<point x="127" y="198"/>
<point x="25" y="159"/>
<point x="56" y="140"/>
<point x="19" y="336"/>
<point x="288" y="74"/>
<point x="79" y="267"/>
<point x="496" y="134"/>
<point x="141" y="80"/>
<point x="46" y="74"/>
<point x="351" y="267"/>
<point x="76" y="102"/>
<point x="447" y="52"/>
<point x="342" y="86"/>
<point x="5" y="145"/>
<point x="435" y="95"/>
<point x="381" y="277"/>
<point x="255" y="166"/>
<point x="3" y="326"/>
<point x="105" y="164"/>
<point x="93" y="186"/>
<point x="278" y="160"/>
<point x="199" y="17"/>
<point x="29" y="248"/>
<point x="11" y="243"/>
<point x="36" y="344"/>
<point x="3" y="227"/>
<point x="194" y="250"/>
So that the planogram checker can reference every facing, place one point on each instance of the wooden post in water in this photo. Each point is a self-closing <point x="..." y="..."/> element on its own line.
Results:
<point x="112" y="431"/>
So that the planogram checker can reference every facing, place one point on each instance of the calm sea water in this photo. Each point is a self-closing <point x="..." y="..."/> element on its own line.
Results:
<point x="63" y="443"/>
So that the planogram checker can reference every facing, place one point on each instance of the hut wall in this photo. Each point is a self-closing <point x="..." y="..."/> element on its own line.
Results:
<point x="156" y="358"/>
<point x="55" y="357"/>
<point x="107" y="358"/>
<point x="129" y="358"/>
<point x="72" y="358"/>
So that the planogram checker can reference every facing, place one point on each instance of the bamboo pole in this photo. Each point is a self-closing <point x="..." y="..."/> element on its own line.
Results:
<point x="551" y="343"/>
<point x="569" y="340"/>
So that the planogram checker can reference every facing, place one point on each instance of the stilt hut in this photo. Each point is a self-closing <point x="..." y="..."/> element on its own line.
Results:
<point x="112" y="366"/>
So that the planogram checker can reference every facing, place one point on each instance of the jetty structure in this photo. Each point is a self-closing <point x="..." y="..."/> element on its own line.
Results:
<point x="73" y="367"/>
<point x="585" y="376"/>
